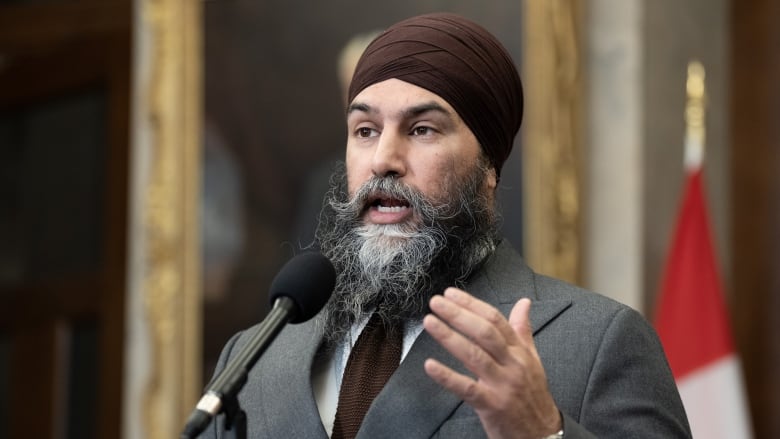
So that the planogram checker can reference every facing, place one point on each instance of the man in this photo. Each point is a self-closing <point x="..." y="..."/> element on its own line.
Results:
<point x="434" y="105"/>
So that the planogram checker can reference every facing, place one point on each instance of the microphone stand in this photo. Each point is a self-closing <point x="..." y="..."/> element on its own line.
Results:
<point x="234" y="422"/>
<point x="223" y="394"/>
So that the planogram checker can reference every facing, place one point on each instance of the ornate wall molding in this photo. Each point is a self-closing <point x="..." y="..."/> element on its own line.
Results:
<point x="169" y="232"/>
<point x="552" y="142"/>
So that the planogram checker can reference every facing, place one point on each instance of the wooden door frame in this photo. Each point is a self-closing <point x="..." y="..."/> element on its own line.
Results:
<point x="52" y="50"/>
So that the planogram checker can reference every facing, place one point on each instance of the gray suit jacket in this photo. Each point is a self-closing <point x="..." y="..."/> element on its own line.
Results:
<point x="604" y="364"/>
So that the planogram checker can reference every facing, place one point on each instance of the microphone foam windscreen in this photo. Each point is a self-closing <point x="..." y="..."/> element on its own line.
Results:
<point x="308" y="279"/>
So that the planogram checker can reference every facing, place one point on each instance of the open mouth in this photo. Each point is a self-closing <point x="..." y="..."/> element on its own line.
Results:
<point x="388" y="204"/>
<point x="387" y="207"/>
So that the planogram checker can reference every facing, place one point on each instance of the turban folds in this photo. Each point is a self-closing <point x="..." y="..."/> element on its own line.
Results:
<point x="459" y="61"/>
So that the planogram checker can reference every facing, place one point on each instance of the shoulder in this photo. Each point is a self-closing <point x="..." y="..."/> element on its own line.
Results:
<point x="504" y="278"/>
<point x="507" y="276"/>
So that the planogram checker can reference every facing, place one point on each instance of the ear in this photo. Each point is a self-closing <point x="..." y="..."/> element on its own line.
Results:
<point x="491" y="180"/>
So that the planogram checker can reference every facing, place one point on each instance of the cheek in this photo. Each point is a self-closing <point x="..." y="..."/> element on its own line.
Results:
<point x="435" y="174"/>
<point x="352" y="185"/>
<point x="358" y="171"/>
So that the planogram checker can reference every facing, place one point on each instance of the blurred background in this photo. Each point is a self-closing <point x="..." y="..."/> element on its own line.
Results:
<point x="161" y="160"/>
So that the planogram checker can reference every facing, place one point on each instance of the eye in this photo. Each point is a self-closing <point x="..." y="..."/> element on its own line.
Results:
<point x="422" y="130"/>
<point x="365" y="132"/>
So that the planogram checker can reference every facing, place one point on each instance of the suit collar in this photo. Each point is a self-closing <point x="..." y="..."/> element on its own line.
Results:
<point x="505" y="278"/>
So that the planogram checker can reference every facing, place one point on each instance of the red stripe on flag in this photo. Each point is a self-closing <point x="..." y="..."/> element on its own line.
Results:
<point x="691" y="317"/>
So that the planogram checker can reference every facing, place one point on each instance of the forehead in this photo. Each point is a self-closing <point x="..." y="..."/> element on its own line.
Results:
<point x="396" y="97"/>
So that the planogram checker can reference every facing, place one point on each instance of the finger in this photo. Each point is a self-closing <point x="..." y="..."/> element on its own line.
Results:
<point x="482" y="309"/>
<point x="476" y="359"/>
<point x="474" y="327"/>
<point x="463" y="386"/>
<point x="520" y="322"/>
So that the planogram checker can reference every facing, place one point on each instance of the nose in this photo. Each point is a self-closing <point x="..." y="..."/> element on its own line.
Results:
<point x="389" y="156"/>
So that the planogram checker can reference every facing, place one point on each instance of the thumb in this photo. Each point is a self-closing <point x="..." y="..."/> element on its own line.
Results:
<point x="519" y="321"/>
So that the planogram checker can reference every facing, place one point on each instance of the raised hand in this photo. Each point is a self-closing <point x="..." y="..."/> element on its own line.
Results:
<point x="509" y="393"/>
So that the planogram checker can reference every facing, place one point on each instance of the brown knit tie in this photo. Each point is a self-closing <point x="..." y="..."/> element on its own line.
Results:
<point x="373" y="359"/>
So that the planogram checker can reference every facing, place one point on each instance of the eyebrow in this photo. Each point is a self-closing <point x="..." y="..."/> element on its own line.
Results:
<point x="365" y="108"/>
<point x="424" y="108"/>
<point x="406" y="113"/>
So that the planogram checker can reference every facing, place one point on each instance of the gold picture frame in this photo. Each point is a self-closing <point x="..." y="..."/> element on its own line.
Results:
<point x="552" y="137"/>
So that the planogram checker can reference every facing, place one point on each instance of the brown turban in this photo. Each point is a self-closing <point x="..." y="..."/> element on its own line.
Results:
<point x="461" y="62"/>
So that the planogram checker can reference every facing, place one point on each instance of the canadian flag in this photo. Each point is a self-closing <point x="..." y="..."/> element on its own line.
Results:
<point x="693" y="324"/>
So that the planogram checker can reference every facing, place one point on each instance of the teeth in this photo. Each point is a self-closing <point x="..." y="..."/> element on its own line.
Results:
<point x="393" y="209"/>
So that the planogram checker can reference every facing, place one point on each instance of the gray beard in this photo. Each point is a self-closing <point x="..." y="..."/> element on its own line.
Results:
<point x="395" y="269"/>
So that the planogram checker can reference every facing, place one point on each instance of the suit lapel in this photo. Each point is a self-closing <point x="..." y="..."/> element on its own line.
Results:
<point x="413" y="405"/>
<point x="298" y="415"/>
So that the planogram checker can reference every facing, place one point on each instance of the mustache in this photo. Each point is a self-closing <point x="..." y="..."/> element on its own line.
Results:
<point x="378" y="188"/>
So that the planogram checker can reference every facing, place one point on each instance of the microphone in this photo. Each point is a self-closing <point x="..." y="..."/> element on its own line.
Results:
<point x="298" y="293"/>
